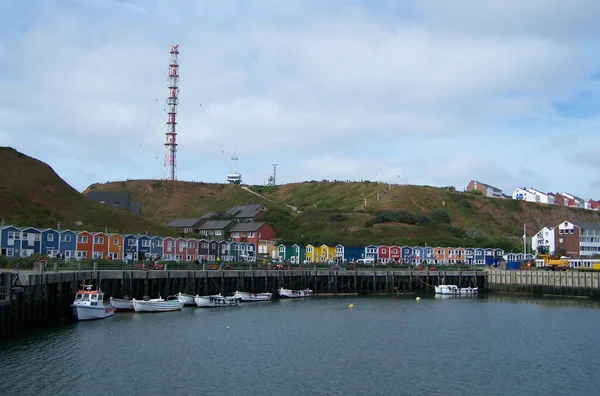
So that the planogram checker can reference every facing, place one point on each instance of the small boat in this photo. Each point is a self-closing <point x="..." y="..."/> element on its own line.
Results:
<point x="455" y="290"/>
<point x="172" y="303"/>
<point x="188" y="299"/>
<point x="215" y="301"/>
<point x="289" y="293"/>
<point x="122" y="304"/>
<point x="89" y="304"/>
<point x="246" y="297"/>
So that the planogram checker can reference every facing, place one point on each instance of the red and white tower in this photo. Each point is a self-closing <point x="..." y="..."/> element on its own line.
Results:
<point x="170" y="167"/>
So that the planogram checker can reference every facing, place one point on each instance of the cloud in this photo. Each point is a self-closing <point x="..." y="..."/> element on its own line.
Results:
<point x="438" y="93"/>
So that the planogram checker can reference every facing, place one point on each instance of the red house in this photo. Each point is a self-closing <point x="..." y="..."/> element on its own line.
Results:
<point x="383" y="254"/>
<point x="594" y="205"/>
<point x="169" y="248"/>
<point x="191" y="251"/>
<point x="84" y="245"/>
<point x="100" y="245"/>
<point x="395" y="253"/>
<point x="252" y="232"/>
<point x="180" y="248"/>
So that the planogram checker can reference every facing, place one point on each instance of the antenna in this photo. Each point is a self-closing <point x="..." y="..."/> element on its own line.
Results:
<point x="170" y="165"/>
<point x="234" y="177"/>
<point x="234" y="158"/>
<point x="274" y="174"/>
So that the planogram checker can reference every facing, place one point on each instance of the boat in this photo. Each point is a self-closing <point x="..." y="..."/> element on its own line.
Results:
<point x="188" y="299"/>
<point x="289" y="293"/>
<point x="247" y="297"/>
<point x="172" y="303"/>
<point x="122" y="304"/>
<point x="455" y="290"/>
<point x="215" y="301"/>
<point x="89" y="304"/>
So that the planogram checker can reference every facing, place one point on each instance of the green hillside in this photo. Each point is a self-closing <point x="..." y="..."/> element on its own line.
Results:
<point x="32" y="194"/>
<point x="359" y="212"/>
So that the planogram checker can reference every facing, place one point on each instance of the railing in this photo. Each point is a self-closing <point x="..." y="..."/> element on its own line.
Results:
<point x="4" y="293"/>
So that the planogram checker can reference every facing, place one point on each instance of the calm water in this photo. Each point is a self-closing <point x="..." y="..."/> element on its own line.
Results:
<point x="385" y="346"/>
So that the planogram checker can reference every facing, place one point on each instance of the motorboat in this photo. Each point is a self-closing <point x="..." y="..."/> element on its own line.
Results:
<point x="122" y="304"/>
<point x="89" y="304"/>
<point x="455" y="290"/>
<point x="188" y="299"/>
<point x="290" y="293"/>
<point x="247" y="297"/>
<point x="172" y="303"/>
<point x="215" y="301"/>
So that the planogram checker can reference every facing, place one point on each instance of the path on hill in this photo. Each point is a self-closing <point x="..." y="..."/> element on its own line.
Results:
<point x="293" y="208"/>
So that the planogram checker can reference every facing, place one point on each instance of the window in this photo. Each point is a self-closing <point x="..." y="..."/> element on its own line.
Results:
<point x="170" y="245"/>
<point x="204" y="232"/>
<point x="50" y="237"/>
<point x="25" y="235"/>
<point x="190" y="245"/>
<point x="98" y="241"/>
<point x="82" y="239"/>
<point x="182" y="245"/>
<point x="382" y="251"/>
<point x="213" y="246"/>
<point x="571" y="231"/>
<point x="102" y="202"/>
<point x="157" y="244"/>
<point x="236" y="234"/>
<point x="178" y="257"/>
<point x="146" y="243"/>
<point x="36" y="237"/>
<point x="250" y="235"/>
<point x="204" y="245"/>
<point x="190" y="257"/>
<point x="218" y="232"/>
<point x="97" y="255"/>
<point x="115" y="242"/>
<point x="9" y="252"/>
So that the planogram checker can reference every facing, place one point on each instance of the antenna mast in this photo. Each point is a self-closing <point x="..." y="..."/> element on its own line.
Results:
<point x="274" y="174"/>
<point x="170" y="166"/>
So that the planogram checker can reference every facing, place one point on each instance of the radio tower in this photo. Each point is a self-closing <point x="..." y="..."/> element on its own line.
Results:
<point x="170" y="167"/>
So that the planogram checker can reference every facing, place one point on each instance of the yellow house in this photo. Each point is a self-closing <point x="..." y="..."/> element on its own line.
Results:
<point x="115" y="246"/>
<point x="309" y="255"/>
<point x="327" y="253"/>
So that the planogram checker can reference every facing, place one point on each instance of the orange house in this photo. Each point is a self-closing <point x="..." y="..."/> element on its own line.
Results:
<point x="100" y="245"/>
<point x="84" y="245"/>
<point x="439" y="255"/>
<point x="115" y="246"/>
<point x="453" y="255"/>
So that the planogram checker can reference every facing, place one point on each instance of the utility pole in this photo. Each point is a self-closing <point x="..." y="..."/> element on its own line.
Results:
<point x="274" y="174"/>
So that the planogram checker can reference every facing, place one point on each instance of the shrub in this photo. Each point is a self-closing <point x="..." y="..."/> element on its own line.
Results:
<point x="440" y="216"/>
<point x="400" y="216"/>
<point x="337" y="217"/>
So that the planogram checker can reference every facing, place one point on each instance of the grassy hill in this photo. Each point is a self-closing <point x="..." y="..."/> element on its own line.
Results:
<point x="358" y="213"/>
<point x="32" y="194"/>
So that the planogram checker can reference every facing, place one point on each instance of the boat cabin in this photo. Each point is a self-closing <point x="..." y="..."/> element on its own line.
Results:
<point x="87" y="296"/>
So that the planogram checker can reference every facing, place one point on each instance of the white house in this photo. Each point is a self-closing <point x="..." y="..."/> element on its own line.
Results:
<point x="544" y="240"/>
<point x="523" y="194"/>
<point x="541" y="197"/>
<point x="579" y="203"/>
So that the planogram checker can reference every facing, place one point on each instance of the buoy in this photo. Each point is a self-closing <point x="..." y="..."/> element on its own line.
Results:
<point x="351" y="306"/>
<point x="418" y="298"/>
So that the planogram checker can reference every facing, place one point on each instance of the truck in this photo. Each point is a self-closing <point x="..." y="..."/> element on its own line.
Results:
<point x="561" y="264"/>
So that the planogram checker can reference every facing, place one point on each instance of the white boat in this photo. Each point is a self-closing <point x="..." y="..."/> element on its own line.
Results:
<point x="89" y="304"/>
<point x="455" y="290"/>
<point x="289" y="293"/>
<point x="122" y="304"/>
<point x="188" y="299"/>
<point x="215" y="301"/>
<point x="246" y="297"/>
<point x="158" y="304"/>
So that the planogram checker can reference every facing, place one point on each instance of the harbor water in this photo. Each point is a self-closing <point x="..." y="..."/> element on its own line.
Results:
<point x="319" y="346"/>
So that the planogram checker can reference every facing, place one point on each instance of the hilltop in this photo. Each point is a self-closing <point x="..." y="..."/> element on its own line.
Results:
<point x="351" y="213"/>
<point x="32" y="194"/>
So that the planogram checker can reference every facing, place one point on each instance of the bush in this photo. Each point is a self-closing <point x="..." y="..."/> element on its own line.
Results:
<point x="440" y="216"/>
<point x="400" y="216"/>
<point x="424" y="221"/>
<point x="337" y="217"/>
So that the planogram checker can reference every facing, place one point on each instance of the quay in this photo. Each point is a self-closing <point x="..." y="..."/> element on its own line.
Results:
<point x="544" y="283"/>
<point x="28" y="299"/>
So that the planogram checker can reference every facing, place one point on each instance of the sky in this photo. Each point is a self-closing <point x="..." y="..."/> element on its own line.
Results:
<point x="506" y="92"/>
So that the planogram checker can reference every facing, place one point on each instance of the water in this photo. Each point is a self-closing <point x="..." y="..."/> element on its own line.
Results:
<point x="385" y="346"/>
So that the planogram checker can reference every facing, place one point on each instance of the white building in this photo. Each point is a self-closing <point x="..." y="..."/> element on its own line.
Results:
<point x="541" y="197"/>
<point x="579" y="203"/>
<point x="544" y="239"/>
<point x="523" y="194"/>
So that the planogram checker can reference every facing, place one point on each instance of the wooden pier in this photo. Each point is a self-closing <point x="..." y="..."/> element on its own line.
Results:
<point x="29" y="299"/>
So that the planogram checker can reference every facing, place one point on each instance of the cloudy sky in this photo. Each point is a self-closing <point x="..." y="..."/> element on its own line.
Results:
<point x="506" y="92"/>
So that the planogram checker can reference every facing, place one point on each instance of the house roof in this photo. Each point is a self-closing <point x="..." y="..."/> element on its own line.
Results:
<point x="119" y="199"/>
<point x="245" y="211"/>
<point x="215" y="224"/>
<point x="247" y="227"/>
<point x="207" y="216"/>
<point x="487" y="185"/>
<point x="177" y="223"/>
<point x="587" y="225"/>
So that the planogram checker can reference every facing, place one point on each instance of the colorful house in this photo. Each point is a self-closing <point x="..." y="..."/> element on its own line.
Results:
<point x="10" y="241"/>
<point x="223" y="251"/>
<point x="454" y="255"/>
<point x="234" y="251"/>
<point x="395" y="254"/>
<point x="116" y="245"/>
<point x="371" y="253"/>
<point x="309" y="255"/>
<point x="130" y="250"/>
<point x="169" y="249"/>
<point x="353" y="253"/>
<point x="327" y="254"/>
<point x="144" y="247"/>
<point x="252" y="232"/>
<point x="428" y="255"/>
<point x="251" y="252"/>
<point x="84" y="245"/>
<point x="407" y="254"/>
<point x="180" y="249"/>
<point x="99" y="245"/>
<point x="479" y="257"/>
<point x="283" y="252"/>
<point x="191" y="251"/>
<point x="156" y="248"/>
<point x="31" y="241"/>
<point x="418" y="256"/>
<point x="297" y="254"/>
<point x="68" y="244"/>
<point x="50" y="242"/>
<point x="267" y="249"/>
<point x="339" y="253"/>
<point x="213" y="250"/>
<point x="203" y="249"/>
<point x="439" y="255"/>
<point x="383" y="252"/>
<point x="470" y="256"/>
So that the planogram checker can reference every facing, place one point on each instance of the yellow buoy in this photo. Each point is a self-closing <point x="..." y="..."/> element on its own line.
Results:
<point x="418" y="298"/>
<point x="351" y="306"/>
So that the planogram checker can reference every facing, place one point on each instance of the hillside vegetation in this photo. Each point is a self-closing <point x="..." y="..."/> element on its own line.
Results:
<point x="358" y="212"/>
<point x="32" y="194"/>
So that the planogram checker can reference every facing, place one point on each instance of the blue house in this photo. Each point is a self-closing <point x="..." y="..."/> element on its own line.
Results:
<point x="50" y="242"/>
<point x="144" y="247"/>
<point x="131" y="247"/>
<point x="251" y="251"/>
<point x="67" y="244"/>
<point x="470" y="256"/>
<point x="353" y="253"/>
<point x="370" y="253"/>
<point x="156" y="248"/>
<point x="479" y="257"/>
<point x="407" y="254"/>
<point x="418" y="255"/>
<point x="10" y="241"/>
<point x="234" y="251"/>
<point x="428" y="255"/>
<point x="31" y="241"/>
